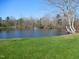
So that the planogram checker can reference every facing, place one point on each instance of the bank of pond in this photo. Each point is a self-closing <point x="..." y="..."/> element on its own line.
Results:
<point x="58" y="47"/>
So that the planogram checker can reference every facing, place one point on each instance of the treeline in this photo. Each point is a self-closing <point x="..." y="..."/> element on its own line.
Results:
<point x="33" y="23"/>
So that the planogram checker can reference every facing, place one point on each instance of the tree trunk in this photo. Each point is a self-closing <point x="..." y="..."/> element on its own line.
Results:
<point x="73" y="25"/>
<point x="70" y="28"/>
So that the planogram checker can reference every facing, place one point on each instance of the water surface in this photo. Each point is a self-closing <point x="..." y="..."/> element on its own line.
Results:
<point x="30" y="33"/>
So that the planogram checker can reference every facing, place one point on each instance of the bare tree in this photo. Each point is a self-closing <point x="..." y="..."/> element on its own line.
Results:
<point x="68" y="8"/>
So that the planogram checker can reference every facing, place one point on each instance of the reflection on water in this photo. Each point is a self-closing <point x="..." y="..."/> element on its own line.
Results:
<point x="13" y="33"/>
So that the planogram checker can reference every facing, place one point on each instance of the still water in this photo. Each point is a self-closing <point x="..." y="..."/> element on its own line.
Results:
<point x="30" y="33"/>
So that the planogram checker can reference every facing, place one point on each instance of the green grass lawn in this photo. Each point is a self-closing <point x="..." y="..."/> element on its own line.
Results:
<point x="60" y="47"/>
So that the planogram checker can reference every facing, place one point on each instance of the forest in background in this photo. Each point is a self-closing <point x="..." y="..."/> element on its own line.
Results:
<point x="44" y="22"/>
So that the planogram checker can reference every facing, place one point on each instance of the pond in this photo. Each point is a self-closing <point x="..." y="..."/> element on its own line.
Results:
<point x="30" y="33"/>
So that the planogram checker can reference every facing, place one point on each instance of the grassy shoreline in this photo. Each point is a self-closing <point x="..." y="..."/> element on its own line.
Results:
<point x="58" y="47"/>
